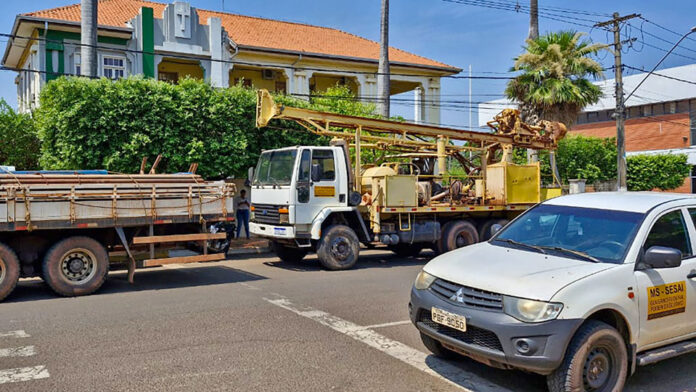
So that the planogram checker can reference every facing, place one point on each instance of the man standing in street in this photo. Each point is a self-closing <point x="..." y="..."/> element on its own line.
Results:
<point x="243" y="206"/>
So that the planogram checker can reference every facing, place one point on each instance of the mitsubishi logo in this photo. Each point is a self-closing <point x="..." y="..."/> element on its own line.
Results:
<point x="458" y="296"/>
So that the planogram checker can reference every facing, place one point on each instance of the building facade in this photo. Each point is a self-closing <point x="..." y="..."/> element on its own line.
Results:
<point x="172" y="41"/>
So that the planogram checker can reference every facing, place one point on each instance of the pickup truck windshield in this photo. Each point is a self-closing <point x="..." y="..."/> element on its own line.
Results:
<point x="275" y="168"/>
<point x="580" y="233"/>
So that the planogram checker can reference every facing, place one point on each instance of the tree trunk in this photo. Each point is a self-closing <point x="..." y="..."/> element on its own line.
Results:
<point x="88" y="52"/>
<point x="533" y="19"/>
<point x="383" y="69"/>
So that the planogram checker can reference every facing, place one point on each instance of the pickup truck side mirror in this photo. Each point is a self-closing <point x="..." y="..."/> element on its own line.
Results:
<point x="662" y="257"/>
<point x="316" y="172"/>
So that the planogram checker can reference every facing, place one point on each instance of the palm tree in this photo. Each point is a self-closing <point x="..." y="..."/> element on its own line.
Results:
<point x="554" y="81"/>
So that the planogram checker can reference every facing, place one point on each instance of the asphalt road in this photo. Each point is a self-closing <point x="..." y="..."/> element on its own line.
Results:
<point x="249" y="324"/>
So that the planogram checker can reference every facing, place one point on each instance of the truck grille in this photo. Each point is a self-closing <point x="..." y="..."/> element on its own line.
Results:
<point x="468" y="296"/>
<point x="473" y="335"/>
<point x="266" y="213"/>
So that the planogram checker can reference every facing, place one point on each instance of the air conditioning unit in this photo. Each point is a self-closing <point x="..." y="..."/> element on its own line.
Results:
<point x="268" y="74"/>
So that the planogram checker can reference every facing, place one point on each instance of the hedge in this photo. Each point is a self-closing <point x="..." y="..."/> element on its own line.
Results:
<point x="19" y="143"/>
<point x="649" y="172"/>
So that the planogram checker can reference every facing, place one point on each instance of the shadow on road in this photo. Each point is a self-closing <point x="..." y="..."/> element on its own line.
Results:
<point x="146" y="279"/>
<point x="374" y="260"/>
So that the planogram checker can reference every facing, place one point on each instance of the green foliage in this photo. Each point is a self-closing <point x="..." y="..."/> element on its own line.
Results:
<point x="648" y="172"/>
<point x="19" y="144"/>
<point x="89" y="124"/>
<point x="591" y="158"/>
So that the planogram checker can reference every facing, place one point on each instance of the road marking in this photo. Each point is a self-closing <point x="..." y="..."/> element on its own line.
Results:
<point x="392" y="324"/>
<point x="23" y="374"/>
<point x="26" y="351"/>
<point x="426" y="363"/>
<point x="14" y="334"/>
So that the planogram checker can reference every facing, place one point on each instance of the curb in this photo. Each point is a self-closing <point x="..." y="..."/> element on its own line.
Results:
<point x="256" y="250"/>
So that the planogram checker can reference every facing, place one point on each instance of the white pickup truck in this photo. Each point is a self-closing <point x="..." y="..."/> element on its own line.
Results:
<point x="581" y="288"/>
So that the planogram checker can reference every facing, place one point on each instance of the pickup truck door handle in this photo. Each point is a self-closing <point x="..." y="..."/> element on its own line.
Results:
<point x="691" y="275"/>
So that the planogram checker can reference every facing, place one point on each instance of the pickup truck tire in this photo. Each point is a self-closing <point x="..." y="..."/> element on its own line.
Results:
<point x="9" y="270"/>
<point x="456" y="234"/>
<point x="76" y="266"/>
<point x="288" y="254"/>
<point x="436" y="347"/>
<point x="338" y="248"/>
<point x="406" y="250"/>
<point x="596" y="360"/>
<point x="485" y="229"/>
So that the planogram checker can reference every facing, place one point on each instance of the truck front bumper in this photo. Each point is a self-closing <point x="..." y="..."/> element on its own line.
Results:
<point x="272" y="231"/>
<point x="494" y="338"/>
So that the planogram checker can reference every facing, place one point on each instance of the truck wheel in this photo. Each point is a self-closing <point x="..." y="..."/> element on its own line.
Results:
<point x="338" y="248"/>
<point x="76" y="266"/>
<point x="596" y="360"/>
<point x="436" y="347"/>
<point x="485" y="229"/>
<point x="288" y="254"/>
<point x="9" y="270"/>
<point x="456" y="234"/>
<point x="406" y="250"/>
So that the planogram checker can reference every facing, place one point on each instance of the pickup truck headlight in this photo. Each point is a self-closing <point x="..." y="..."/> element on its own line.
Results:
<point x="531" y="311"/>
<point x="424" y="280"/>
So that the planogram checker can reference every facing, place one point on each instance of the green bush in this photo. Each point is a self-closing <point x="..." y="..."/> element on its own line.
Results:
<point x="664" y="172"/>
<point x="19" y="143"/>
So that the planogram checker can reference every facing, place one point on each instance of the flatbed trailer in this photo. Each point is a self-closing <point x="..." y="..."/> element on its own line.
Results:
<point x="70" y="228"/>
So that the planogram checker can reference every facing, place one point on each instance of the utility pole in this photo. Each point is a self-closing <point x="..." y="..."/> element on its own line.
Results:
<point x="532" y="155"/>
<point x="383" y="69"/>
<point x="88" y="52"/>
<point x="620" y="113"/>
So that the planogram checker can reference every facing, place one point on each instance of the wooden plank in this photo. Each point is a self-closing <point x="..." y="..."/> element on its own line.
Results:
<point x="184" y="259"/>
<point x="158" y="239"/>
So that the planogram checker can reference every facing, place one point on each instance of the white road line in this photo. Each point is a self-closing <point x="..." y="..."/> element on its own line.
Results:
<point x="419" y="360"/>
<point x="14" y="334"/>
<point x="23" y="374"/>
<point x="384" y="325"/>
<point x="26" y="351"/>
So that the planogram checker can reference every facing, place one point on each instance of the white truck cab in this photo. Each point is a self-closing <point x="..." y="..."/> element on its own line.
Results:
<point x="581" y="288"/>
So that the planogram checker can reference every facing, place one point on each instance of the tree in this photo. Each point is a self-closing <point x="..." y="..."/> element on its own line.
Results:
<point x="533" y="19"/>
<point x="21" y="145"/>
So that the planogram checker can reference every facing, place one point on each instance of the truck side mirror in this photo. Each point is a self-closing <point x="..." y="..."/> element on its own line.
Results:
<point x="316" y="172"/>
<point x="495" y="228"/>
<point x="662" y="257"/>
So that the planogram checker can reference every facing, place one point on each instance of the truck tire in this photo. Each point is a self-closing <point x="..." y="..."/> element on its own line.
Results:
<point x="406" y="250"/>
<point x="288" y="254"/>
<point x="338" y="248"/>
<point x="436" y="347"/>
<point x="485" y="229"/>
<point x="456" y="234"/>
<point x="9" y="270"/>
<point x="596" y="360"/>
<point x="76" y="266"/>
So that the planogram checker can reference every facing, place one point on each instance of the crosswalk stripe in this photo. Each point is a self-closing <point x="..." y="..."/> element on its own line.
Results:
<point x="23" y="374"/>
<point x="14" y="334"/>
<point x="26" y="351"/>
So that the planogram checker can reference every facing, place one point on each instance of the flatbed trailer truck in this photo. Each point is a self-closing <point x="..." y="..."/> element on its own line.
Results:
<point x="68" y="228"/>
<point x="329" y="199"/>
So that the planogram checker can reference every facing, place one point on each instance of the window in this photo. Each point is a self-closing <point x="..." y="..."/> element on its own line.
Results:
<point x="77" y="59"/>
<point x="113" y="67"/>
<point x="303" y="177"/>
<point x="324" y="159"/>
<point x="670" y="231"/>
<point x="169" y="77"/>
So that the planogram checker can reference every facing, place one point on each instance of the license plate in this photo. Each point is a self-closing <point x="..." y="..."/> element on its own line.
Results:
<point x="279" y="230"/>
<point x="449" y="319"/>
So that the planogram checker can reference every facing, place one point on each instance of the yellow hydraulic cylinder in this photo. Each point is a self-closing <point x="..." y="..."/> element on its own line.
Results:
<point x="441" y="156"/>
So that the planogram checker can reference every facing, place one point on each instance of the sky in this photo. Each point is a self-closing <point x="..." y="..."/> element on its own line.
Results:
<point x="462" y="35"/>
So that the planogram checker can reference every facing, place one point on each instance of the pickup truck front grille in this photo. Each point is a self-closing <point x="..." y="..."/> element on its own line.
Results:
<point x="473" y="335"/>
<point x="468" y="296"/>
<point x="266" y="213"/>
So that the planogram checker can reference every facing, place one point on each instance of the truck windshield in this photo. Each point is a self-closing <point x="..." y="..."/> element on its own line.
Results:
<point x="589" y="234"/>
<point x="275" y="168"/>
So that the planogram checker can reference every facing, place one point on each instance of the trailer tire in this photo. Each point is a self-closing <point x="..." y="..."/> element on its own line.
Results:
<point x="9" y="270"/>
<point x="338" y="248"/>
<point x="436" y="347"/>
<point x="406" y="250"/>
<point x="288" y="254"/>
<point x="456" y="234"/>
<point x="596" y="359"/>
<point x="76" y="266"/>
<point x="485" y="229"/>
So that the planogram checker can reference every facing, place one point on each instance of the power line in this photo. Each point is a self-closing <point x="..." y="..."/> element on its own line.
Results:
<point x="661" y="75"/>
<point x="666" y="29"/>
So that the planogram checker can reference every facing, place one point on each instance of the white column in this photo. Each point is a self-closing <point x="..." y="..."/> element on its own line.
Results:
<point x="300" y="83"/>
<point x="432" y="97"/>
<point x="216" y="76"/>
<point x="418" y="111"/>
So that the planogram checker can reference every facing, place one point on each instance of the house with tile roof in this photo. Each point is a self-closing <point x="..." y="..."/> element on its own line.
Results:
<point x="172" y="41"/>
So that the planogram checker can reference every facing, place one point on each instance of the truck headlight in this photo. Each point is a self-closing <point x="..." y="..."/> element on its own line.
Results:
<point x="424" y="280"/>
<point x="531" y="311"/>
<point x="283" y="215"/>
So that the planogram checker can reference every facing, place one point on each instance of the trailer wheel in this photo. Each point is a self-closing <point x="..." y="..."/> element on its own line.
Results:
<point x="485" y="229"/>
<point x="436" y="347"/>
<point x="596" y="360"/>
<point x="76" y="266"/>
<point x="456" y="234"/>
<point x="288" y="254"/>
<point x="9" y="270"/>
<point x="338" y="248"/>
<point x="406" y="250"/>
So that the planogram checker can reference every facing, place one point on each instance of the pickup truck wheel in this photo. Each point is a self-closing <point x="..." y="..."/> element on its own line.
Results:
<point x="338" y="248"/>
<point x="596" y="360"/>
<point x="406" y="250"/>
<point x="288" y="254"/>
<point x="456" y="234"/>
<point x="436" y="347"/>
<point x="76" y="266"/>
<point x="9" y="270"/>
<point x="485" y="229"/>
